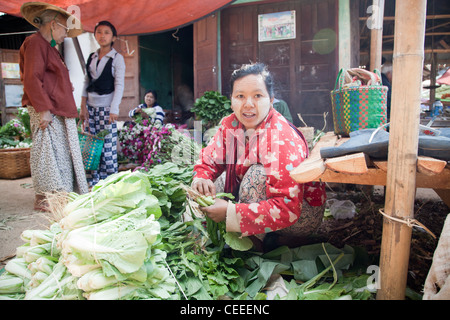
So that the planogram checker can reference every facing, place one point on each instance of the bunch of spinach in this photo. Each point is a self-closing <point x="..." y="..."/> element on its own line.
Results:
<point x="203" y="273"/>
<point x="211" y="108"/>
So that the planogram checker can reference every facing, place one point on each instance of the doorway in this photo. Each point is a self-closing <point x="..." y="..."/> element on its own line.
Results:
<point x="166" y="66"/>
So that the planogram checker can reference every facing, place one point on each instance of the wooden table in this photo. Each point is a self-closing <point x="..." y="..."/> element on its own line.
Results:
<point x="358" y="168"/>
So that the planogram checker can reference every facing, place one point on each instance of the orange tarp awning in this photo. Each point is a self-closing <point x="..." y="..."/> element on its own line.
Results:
<point x="131" y="17"/>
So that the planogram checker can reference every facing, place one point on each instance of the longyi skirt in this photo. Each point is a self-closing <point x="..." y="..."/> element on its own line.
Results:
<point x="55" y="158"/>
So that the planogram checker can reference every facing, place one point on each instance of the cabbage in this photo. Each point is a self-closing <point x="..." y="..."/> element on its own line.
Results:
<point x="116" y="195"/>
<point x="10" y="283"/>
<point x="122" y="242"/>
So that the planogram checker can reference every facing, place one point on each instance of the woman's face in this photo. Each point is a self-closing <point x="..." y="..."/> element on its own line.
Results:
<point x="104" y="36"/>
<point x="59" y="30"/>
<point x="250" y="100"/>
<point x="149" y="99"/>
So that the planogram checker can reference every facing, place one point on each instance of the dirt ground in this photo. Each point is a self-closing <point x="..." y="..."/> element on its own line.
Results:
<point x="364" y="230"/>
<point x="16" y="215"/>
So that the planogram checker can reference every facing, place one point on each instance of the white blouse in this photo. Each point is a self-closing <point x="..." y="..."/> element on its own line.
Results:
<point x="118" y="70"/>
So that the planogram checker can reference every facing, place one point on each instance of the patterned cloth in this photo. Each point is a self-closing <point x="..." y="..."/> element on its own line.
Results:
<point x="99" y="121"/>
<point x="437" y="284"/>
<point x="55" y="159"/>
<point x="253" y="189"/>
<point x="277" y="147"/>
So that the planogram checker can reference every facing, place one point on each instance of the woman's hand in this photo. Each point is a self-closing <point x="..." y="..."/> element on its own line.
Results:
<point x="84" y="115"/>
<point x="113" y="117"/>
<point x="205" y="187"/>
<point x="218" y="211"/>
<point x="45" y="119"/>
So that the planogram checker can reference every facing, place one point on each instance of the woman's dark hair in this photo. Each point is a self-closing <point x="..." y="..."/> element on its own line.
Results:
<point x="256" y="69"/>
<point x="155" y="95"/>
<point x="108" y="24"/>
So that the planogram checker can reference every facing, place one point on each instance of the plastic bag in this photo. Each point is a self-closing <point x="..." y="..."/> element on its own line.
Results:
<point x="341" y="209"/>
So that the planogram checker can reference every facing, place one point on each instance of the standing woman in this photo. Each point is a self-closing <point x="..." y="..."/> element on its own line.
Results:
<point x="55" y="159"/>
<point x="101" y="97"/>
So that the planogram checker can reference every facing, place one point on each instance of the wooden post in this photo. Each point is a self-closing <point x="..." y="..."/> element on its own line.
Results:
<point x="410" y="17"/>
<point x="77" y="46"/>
<point x="376" y="34"/>
<point x="433" y="74"/>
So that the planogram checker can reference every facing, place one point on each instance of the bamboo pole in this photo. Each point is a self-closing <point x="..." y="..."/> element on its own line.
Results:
<point x="376" y="34"/>
<point x="403" y="143"/>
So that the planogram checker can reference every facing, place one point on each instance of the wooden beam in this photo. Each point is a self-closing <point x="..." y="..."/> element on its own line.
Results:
<point x="80" y="56"/>
<point x="376" y="35"/>
<point x="377" y="177"/>
<point x="408" y="57"/>
<point x="428" y="34"/>
<point x="429" y="17"/>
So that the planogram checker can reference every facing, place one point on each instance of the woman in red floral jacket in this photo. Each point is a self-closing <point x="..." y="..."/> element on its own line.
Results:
<point x="257" y="148"/>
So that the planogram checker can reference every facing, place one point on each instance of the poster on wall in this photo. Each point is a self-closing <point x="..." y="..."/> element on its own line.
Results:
<point x="276" y="26"/>
<point x="10" y="70"/>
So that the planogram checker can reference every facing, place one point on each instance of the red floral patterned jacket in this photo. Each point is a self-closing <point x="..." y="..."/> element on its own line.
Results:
<point x="279" y="149"/>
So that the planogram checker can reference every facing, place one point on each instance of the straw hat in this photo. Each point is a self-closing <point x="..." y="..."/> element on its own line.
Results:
<point x="32" y="10"/>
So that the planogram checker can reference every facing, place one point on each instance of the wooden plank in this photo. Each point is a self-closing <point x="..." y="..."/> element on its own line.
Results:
<point x="309" y="170"/>
<point x="351" y="164"/>
<point x="373" y="177"/>
<point x="430" y="166"/>
<point x="382" y="165"/>
<point x="312" y="168"/>
<point x="329" y="139"/>
<point x="377" y="177"/>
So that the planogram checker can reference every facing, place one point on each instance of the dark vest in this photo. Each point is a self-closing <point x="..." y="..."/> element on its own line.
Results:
<point x="103" y="84"/>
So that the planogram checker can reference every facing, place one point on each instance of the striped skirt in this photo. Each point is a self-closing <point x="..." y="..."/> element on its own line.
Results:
<point x="55" y="158"/>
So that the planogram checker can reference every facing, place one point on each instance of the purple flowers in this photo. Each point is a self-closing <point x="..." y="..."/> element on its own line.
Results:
<point x="143" y="142"/>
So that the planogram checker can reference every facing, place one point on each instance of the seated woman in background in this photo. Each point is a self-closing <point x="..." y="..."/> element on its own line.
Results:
<point x="150" y="101"/>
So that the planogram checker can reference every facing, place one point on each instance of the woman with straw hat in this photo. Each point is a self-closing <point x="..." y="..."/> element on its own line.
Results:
<point x="55" y="159"/>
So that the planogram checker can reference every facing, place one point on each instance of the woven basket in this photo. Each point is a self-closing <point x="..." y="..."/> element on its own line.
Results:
<point x="91" y="150"/>
<point x="15" y="163"/>
<point x="358" y="107"/>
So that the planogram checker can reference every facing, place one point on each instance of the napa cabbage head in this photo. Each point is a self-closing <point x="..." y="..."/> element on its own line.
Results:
<point x="122" y="242"/>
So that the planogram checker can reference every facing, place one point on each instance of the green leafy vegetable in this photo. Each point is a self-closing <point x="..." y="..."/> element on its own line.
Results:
<point x="211" y="108"/>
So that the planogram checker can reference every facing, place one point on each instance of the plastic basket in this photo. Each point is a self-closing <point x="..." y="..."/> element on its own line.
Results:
<point x="91" y="150"/>
<point x="359" y="106"/>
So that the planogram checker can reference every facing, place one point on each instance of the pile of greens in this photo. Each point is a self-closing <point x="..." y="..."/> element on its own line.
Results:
<point x="106" y="247"/>
<point x="16" y="133"/>
<point x="127" y="239"/>
<point x="211" y="108"/>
